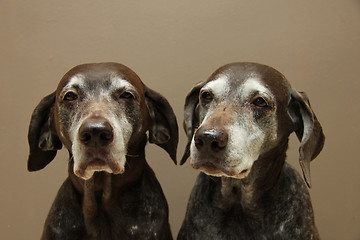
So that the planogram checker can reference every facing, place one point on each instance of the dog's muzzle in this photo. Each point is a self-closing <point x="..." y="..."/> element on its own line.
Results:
<point x="96" y="133"/>
<point x="211" y="144"/>
<point x="97" y="149"/>
<point x="211" y="141"/>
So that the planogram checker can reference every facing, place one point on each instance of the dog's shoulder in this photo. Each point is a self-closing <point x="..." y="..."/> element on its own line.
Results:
<point x="144" y="199"/>
<point x="292" y="184"/>
<point x="203" y="216"/>
<point x="288" y="207"/>
<point x="65" y="219"/>
<point x="288" y="195"/>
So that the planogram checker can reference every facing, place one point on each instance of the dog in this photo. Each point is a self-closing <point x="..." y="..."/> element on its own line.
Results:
<point x="238" y="123"/>
<point x="104" y="115"/>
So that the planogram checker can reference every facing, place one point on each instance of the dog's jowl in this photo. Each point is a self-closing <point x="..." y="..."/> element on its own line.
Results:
<point x="104" y="115"/>
<point x="238" y="123"/>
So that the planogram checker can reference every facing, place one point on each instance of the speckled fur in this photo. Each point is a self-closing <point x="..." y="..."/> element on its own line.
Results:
<point x="138" y="211"/>
<point x="109" y="202"/>
<point x="285" y="212"/>
<point x="270" y="202"/>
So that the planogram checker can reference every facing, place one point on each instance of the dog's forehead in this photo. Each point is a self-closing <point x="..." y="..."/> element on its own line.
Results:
<point x="243" y="79"/>
<point x="104" y="76"/>
<point x="225" y="86"/>
<point x="93" y="83"/>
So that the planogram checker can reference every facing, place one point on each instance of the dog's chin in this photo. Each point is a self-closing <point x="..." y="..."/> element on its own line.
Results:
<point x="86" y="169"/>
<point x="212" y="170"/>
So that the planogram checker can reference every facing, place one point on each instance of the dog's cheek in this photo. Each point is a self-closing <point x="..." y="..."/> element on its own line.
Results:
<point x="269" y="126"/>
<point x="245" y="141"/>
<point x="204" y="112"/>
<point x="201" y="114"/>
<point x="78" y="158"/>
<point x="125" y="124"/>
<point x="64" y="122"/>
<point x="193" y="153"/>
<point x="135" y="117"/>
<point x="138" y="122"/>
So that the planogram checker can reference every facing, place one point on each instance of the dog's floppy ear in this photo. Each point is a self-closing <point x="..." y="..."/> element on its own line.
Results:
<point x="307" y="129"/>
<point x="190" y="117"/>
<point x="163" y="130"/>
<point x="43" y="141"/>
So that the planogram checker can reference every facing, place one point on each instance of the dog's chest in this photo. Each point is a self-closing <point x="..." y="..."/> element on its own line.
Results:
<point x="119" y="218"/>
<point x="285" y="212"/>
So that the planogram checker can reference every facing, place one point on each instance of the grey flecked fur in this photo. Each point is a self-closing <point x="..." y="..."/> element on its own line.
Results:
<point x="269" y="199"/>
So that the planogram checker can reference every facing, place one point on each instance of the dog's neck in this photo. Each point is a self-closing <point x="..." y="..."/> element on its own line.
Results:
<point x="264" y="176"/>
<point x="101" y="191"/>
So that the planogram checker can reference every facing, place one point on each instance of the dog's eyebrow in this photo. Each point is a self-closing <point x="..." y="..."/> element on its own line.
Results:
<point x="219" y="86"/>
<point x="77" y="80"/>
<point x="252" y="85"/>
<point x="118" y="82"/>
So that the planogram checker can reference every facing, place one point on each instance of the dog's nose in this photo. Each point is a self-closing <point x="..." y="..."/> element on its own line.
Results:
<point x="210" y="139"/>
<point x="96" y="133"/>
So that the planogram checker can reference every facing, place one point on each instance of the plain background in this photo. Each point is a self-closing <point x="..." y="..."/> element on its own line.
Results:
<point x="172" y="45"/>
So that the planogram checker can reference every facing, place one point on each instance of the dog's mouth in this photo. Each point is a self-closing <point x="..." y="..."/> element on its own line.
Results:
<point x="87" y="170"/>
<point x="98" y="161"/>
<point x="210" y="168"/>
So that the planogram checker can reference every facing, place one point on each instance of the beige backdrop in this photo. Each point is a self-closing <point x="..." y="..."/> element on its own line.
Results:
<point x="172" y="45"/>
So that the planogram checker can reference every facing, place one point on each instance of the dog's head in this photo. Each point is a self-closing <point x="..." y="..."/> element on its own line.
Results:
<point x="100" y="113"/>
<point x="243" y="111"/>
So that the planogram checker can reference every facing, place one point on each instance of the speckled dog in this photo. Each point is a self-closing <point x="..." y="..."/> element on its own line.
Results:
<point x="101" y="113"/>
<point x="238" y="123"/>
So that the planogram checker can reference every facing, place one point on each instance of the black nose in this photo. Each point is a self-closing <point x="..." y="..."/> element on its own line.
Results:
<point x="211" y="140"/>
<point x="96" y="133"/>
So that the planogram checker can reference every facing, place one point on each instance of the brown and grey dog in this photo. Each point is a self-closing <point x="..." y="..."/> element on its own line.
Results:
<point x="102" y="114"/>
<point x="238" y="123"/>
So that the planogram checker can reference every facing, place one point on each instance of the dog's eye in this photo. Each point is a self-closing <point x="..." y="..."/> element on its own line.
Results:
<point x="70" y="96"/>
<point x="260" y="102"/>
<point x="207" y="96"/>
<point x="127" y="95"/>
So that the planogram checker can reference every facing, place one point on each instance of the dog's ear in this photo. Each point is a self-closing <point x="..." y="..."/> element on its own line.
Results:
<point x="190" y="117"/>
<point x="163" y="130"/>
<point x="307" y="129"/>
<point x="43" y="141"/>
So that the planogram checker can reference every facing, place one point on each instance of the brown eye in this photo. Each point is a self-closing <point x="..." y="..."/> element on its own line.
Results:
<point x="70" y="96"/>
<point x="260" y="102"/>
<point x="207" y="96"/>
<point x="127" y="95"/>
